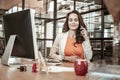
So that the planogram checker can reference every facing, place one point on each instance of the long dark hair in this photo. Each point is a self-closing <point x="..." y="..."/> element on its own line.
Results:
<point x="79" y="38"/>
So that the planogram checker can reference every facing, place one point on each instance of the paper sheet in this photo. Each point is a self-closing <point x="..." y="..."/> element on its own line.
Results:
<point x="59" y="69"/>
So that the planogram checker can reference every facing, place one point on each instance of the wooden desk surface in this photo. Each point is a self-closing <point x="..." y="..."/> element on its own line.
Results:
<point x="10" y="73"/>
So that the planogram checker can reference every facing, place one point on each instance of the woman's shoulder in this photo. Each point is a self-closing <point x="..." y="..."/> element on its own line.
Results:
<point x="62" y="34"/>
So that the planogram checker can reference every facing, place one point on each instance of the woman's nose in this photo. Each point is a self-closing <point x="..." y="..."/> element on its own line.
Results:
<point x="73" y="22"/>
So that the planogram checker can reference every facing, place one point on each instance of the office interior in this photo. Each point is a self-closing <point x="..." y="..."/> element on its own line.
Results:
<point x="50" y="16"/>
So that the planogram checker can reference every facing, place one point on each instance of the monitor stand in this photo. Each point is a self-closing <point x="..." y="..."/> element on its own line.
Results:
<point x="6" y="58"/>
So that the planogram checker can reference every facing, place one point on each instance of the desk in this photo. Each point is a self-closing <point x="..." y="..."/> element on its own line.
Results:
<point x="10" y="73"/>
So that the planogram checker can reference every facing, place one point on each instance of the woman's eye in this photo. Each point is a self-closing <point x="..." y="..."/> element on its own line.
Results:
<point x="76" y="19"/>
<point x="70" y="20"/>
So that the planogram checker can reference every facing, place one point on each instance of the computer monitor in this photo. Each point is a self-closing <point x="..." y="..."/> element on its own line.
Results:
<point x="20" y="36"/>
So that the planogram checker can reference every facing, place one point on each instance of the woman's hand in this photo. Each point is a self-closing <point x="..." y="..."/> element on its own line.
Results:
<point x="84" y="32"/>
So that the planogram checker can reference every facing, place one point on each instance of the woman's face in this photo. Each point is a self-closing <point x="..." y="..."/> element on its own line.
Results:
<point x="73" y="21"/>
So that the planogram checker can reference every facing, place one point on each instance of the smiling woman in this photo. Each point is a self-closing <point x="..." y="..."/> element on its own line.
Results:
<point x="73" y="42"/>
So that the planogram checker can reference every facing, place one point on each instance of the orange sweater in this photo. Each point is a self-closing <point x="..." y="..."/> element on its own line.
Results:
<point x="71" y="50"/>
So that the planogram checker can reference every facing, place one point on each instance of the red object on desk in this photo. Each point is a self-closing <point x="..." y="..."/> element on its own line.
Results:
<point x="81" y="67"/>
<point x="34" y="67"/>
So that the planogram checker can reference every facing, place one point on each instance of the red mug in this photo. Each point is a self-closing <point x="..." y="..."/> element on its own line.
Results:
<point x="81" y="67"/>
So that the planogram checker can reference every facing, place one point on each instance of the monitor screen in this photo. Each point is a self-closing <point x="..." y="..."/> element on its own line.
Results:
<point x="21" y="24"/>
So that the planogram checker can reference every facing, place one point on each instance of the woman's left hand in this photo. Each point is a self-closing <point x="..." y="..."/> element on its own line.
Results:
<point x="84" y="32"/>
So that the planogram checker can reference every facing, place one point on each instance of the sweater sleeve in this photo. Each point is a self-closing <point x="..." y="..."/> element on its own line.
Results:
<point x="87" y="49"/>
<point x="55" y="49"/>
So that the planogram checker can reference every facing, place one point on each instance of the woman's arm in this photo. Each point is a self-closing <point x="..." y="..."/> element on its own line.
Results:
<point x="88" y="54"/>
<point x="86" y="44"/>
<point x="71" y="58"/>
<point x="55" y="49"/>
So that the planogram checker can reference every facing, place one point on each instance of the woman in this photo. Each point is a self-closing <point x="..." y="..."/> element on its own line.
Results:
<point x="73" y="42"/>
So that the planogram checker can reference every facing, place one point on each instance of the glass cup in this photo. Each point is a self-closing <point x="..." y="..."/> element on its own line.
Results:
<point x="80" y="67"/>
